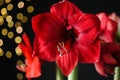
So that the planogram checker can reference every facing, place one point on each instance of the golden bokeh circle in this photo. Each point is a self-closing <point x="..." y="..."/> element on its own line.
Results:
<point x="24" y="19"/>
<point x="18" y="24"/>
<point x="30" y="9"/>
<point x="1" y="52"/>
<point x="9" y="7"/>
<point x="18" y="51"/>
<point x="19" y="29"/>
<point x="10" y="35"/>
<point x="9" y="18"/>
<point x="20" y="76"/>
<point x="19" y="16"/>
<point x="3" y="11"/>
<point x="9" y="54"/>
<point x="21" y="4"/>
<point x="10" y="24"/>
<point x="7" y="1"/>
<point x="1" y="2"/>
<point x="4" y="31"/>
<point x="1" y="42"/>
<point x="19" y="62"/>
<point x="18" y="39"/>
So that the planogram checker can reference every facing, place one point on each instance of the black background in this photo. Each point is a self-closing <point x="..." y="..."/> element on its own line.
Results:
<point x="86" y="71"/>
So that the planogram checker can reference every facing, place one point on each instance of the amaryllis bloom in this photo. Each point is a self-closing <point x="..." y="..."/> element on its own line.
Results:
<point x="32" y="65"/>
<point x="108" y="28"/>
<point x="110" y="50"/>
<point x="110" y="58"/>
<point x="67" y="36"/>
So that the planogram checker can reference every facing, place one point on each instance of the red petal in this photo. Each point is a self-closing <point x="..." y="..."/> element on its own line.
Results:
<point x="69" y="60"/>
<point x="86" y="26"/>
<point x="108" y="52"/>
<point x="100" y="68"/>
<point x="64" y="9"/>
<point x="26" y="41"/>
<point x="49" y="27"/>
<point x="44" y="50"/>
<point x="89" y="53"/>
<point x="108" y="28"/>
<point x="108" y="58"/>
<point x="33" y="69"/>
<point x="26" y="51"/>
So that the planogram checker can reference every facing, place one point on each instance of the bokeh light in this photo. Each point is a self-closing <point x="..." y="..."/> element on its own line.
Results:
<point x="9" y="54"/>
<point x="30" y="9"/>
<point x="20" y="4"/>
<point x="1" y="52"/>
<point x="20" y="76"/>
<point x="4" y="31"/>
<point x="19" y="29"/>
<point x="18" y="51"/>
<point x="1" y="42"/>
<point x="10" y="35"/>
<point x="10" y="7"/>
<point x="3" y="11"/>
<point x="18" y="39"/>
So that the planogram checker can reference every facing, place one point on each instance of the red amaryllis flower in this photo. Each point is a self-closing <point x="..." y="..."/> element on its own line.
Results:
<point x="110" y="58"/>
<point x="109" y="48"/>
<point x="108" y="28"/>
<point x="66" y="35"/>
<point x="32" y="64"/>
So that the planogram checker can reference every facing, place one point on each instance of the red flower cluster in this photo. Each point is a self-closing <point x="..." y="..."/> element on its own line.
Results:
<point x="68" y="36"/>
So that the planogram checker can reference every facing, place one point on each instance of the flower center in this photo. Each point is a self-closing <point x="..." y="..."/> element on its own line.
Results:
<point x="61" y="48"/>
<point x="71" y="35"/>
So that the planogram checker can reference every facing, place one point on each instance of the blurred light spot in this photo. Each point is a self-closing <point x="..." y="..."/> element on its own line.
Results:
<point x="9" y="54"/>
<point x="20" y="4"/>
<point x="20" y="76"/>
<point x="7" y="1"/>
<point x="4" y="32"/>
<point x="19" y="62"/>
<point x="1" y="52"/>
<point x="19" y="29"/>
<point x="10" y="35"/>
<point x="9" y="7"/>
<point x="18" y="51"/>
<point x="3" y="11"/>
<point x="24" y="19"/>
<point x="18" y="39"/>
<point x="1" y="42"/>
<point x="19" y="16"/>
<point x="9" y="18"/>
<point x="10" y="24"/>
<point x="1" y="2"/>
<point x="1" y="20"/>
<point x="18" y="24"/>
<point x="30" y="9"/>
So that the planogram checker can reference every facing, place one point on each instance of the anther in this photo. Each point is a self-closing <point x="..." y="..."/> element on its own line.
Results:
<point x="61" y="48"/>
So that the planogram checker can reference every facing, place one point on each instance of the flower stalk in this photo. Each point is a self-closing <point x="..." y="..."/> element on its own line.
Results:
<point x="59" y="75"/>
<point x="74" y="74"/>
<point x="117" y="73"/>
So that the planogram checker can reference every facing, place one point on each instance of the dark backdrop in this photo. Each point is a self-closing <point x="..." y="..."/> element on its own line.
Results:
<point x="86" y="71"/>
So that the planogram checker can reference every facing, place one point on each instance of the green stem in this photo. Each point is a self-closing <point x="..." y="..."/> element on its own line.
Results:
<point x="59" y="75"/>
<point x="74" y="74"/>
<point x="117" y="73"/>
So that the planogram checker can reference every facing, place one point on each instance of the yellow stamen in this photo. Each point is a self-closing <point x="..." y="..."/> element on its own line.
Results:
<point x="61" y="48"/>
